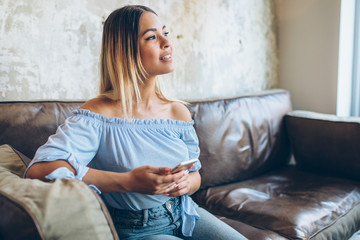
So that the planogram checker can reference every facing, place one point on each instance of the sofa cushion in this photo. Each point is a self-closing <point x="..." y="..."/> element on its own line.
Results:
<point x="63" y="209"/>
<point x="289" y="202"/>
<point x="251" y="232"/>
<point x="13" y="161"/>
<point x="242" y="137"/>
<point x="324" y="143"/>
<point x="16" y="217"/>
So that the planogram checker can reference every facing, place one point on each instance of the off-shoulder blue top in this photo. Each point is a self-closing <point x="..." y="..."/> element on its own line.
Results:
<point x="88" y="139"/>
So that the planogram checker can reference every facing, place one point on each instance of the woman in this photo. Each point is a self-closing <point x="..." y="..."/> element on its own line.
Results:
<point x="125" y="142"/>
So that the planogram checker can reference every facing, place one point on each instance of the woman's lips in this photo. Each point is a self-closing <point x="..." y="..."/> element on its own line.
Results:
<point x="166" y="58"/>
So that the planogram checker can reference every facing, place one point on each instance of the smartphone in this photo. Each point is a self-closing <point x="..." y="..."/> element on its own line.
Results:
<point x="183" y="165"/>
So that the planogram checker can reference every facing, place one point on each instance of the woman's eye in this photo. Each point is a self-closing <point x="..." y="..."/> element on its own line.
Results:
<point x="150" y="38"/>
<point x="166" y="34"/>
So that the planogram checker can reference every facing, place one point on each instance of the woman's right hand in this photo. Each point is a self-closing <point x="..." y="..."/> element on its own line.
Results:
<point x="152" y="180"/>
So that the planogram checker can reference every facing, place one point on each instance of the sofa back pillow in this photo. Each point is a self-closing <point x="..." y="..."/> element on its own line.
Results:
<point x="241" y="137"/>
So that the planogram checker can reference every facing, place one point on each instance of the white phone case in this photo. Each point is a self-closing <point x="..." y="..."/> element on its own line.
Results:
<point x="183" y="165"/>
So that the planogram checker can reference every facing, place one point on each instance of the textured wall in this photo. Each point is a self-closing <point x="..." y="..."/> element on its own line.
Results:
<point x="50" y="49"/>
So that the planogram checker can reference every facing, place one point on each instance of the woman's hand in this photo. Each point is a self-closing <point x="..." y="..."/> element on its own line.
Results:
<point x="152" y="180"/>
<point x="188" y="184"/>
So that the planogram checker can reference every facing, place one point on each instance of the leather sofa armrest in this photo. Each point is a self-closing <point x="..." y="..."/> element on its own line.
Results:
<point x="325" y="143"/>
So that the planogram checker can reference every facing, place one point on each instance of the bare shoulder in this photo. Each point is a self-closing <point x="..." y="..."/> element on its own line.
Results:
<point x="180" y="112"/>
<point x="101" y="106"/>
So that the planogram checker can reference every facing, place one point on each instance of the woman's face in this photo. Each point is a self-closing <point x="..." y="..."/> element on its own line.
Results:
<point x="155" y="47"/>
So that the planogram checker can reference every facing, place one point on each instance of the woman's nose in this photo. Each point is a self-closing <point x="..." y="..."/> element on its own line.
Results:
<point x="166" y="43"/>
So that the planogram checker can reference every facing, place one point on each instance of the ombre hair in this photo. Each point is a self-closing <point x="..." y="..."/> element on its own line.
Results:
<point x="121" y="70"/>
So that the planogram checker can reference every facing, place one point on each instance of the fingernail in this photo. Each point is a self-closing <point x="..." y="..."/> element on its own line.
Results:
<point x="186" y="172"/>
<point x="176" y="185"/>
<point x="166" y="194"/>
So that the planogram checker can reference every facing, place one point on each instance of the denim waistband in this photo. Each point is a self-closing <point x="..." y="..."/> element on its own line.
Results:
<point x="167" y="207"/>
<point x="164" y="219"/>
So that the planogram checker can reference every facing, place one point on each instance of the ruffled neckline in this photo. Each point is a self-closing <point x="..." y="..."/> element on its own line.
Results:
<point x="136" y="121"/>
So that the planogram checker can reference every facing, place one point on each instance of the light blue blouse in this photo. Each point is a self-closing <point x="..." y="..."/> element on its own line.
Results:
<point x="88" y="139"/>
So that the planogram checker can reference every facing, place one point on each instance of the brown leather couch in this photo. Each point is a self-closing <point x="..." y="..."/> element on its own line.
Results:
<point x="249" y="179"/>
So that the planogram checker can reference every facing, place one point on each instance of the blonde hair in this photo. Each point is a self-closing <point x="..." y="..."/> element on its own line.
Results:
<point x="121" y="70"/>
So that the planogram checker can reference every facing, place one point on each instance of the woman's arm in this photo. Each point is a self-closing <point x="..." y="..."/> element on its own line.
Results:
<point x="188" y="184"/>
<point x="41" y="169"/>
<point x="146" y="179"/>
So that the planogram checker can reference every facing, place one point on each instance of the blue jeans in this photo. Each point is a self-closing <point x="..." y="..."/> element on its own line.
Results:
<point x="164" y="222"/>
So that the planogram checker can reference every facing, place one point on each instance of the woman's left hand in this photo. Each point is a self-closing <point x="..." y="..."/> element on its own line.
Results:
<point x="188" y="184"/>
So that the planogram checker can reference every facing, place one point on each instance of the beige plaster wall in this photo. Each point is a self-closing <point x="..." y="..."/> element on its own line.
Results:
<point x="49" y="48"/>
<point x="308" y="52"/>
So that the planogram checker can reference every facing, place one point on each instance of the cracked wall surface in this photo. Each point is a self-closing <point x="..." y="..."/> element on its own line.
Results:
<point x="223" y="48"/>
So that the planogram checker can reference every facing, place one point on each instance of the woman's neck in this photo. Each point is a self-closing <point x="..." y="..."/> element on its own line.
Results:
<point x="148" y="93"/>
<point x="151" y="106"/>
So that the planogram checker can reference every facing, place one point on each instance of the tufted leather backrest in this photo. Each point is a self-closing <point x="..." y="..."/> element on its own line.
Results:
<point x="241" y="137"/>
<point x="27" y="125"/>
